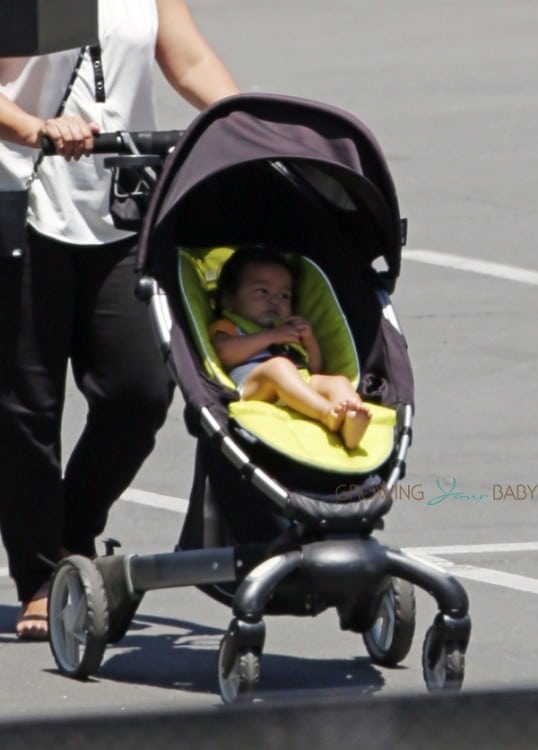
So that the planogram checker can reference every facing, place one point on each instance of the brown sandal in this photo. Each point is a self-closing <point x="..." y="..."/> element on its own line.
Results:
<point x="32" y="633"/>
<point x="33" y="626"/>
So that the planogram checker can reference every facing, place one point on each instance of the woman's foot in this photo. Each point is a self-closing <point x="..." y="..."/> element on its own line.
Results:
<point x="67" y="553"/>
<point x="32" y="622"/>
<point x="356" y="420"/>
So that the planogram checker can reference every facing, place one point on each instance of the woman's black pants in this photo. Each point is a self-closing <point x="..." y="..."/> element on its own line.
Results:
<point x="61" y="304"/>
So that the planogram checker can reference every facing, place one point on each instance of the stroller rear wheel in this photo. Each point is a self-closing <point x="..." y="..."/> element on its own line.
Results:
<point x="78" y="617"/>
<point x="238" y="673"/>
<point x="389" y="639"/>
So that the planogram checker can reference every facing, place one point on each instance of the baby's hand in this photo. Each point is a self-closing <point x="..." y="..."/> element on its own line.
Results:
<point x="303" y="329"/>
<point x="285" y="333"/>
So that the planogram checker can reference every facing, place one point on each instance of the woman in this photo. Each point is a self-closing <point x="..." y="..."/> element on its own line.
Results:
<point x="70" y="297"/>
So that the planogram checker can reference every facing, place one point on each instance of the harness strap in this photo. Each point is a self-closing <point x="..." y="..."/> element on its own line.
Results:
<point x="294" y="351"/>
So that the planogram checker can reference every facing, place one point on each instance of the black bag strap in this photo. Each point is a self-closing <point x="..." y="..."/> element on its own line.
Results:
<point x="100" y="94"/>
<point x="97" y="62"/>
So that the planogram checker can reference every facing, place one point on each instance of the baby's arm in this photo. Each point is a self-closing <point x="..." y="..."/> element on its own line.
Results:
<point x="233" y="350"/>
<point x="315" y="360"/>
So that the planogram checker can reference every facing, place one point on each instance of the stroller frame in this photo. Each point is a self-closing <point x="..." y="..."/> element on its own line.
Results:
<point x="336" y="565"/>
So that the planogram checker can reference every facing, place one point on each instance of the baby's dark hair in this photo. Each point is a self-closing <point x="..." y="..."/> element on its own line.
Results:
<point x="232" y="269"/>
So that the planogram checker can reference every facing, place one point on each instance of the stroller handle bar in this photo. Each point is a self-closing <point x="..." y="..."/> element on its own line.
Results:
<point x="158" y="142"/>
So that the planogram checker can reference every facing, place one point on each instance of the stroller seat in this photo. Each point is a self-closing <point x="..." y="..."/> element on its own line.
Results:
<point x="284" y="430"/>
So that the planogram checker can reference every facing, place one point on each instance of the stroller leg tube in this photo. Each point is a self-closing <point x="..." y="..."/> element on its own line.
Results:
<point x="187" y="568"/>
<point x="446" y="590"/>
<point x="254" y="592"/>
<point x="242" y="645"/>
<point x="443" y="652"/>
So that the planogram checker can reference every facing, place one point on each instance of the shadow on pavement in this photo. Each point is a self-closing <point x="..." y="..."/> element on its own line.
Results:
<point x="186" y="659"/>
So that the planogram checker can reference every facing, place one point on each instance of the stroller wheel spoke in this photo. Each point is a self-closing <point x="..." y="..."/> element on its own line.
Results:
<point x="75" y="611"/>
<point x="383" y="629"/>
<point x="389" y="639"/>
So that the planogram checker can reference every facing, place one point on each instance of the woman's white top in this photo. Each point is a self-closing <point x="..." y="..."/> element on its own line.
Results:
<point x="69" y="200"/>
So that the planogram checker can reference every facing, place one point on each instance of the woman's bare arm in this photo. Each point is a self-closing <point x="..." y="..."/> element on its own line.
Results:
<point x="187" y="60"/>
<point x="71" y="135"/>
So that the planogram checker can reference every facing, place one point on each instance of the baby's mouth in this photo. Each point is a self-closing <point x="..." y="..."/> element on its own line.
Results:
<point x="270" y="319"/>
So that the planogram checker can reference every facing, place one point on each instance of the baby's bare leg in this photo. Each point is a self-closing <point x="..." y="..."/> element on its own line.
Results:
<point x="278" y="378"/>
<point x="338" y="389"/>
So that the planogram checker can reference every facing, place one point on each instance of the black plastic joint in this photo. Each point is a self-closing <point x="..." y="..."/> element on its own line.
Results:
<point x="401" y="466"/>
<point x="247" y="635"/>
<point x="453" y="629"/>
<point x="407" y="431"/>
<point x="145" y="287"/>
<point x="110" y="546"/>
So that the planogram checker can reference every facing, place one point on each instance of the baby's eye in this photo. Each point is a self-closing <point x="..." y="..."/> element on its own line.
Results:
<point x="286" y="296"/>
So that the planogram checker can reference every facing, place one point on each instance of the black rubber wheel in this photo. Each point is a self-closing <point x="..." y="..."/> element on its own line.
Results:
<point x="389" y="639"/>
<point x="240" y="681"/>
<point x="78" y="617"/>
<point x="447" y="672"/>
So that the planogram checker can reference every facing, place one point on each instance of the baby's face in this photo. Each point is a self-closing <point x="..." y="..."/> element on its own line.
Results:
<point x="264" y="294"/>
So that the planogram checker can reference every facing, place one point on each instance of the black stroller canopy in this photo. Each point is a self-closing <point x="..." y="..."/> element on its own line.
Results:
<point x="259" y="168"/>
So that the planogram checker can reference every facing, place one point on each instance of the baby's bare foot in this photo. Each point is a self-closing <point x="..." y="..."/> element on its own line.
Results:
<point x="333" y="418"/>
<point x="356" y="420"/>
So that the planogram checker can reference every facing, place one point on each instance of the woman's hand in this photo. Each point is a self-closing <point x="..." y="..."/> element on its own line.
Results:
<point x="72" y="136"/>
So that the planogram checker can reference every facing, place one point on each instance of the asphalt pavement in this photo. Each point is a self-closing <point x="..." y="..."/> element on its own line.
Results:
<point x="449" y="89"/>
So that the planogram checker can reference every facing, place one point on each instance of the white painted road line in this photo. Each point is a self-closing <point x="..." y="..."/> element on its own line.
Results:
<point x="154" y="500"/>
<point x="480" y="575"/>
<point x="474" y="265"/>
<point x="476" y="549"/>
<point x="495" y="578"/>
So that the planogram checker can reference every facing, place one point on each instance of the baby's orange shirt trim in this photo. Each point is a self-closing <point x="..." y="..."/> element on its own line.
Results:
<point x="222" y="326"/>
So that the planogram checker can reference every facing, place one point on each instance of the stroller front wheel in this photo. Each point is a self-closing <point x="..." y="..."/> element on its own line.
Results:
<point x="445" y="672"/>
<point x="238" y="673"/>
<point x="389" y="639"/>
<point x="77" y="617"/>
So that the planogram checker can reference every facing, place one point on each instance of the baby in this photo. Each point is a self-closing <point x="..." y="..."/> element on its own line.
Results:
<point x="272" y="354"/>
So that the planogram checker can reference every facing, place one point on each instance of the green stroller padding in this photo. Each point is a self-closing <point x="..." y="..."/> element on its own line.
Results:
<point x="309" y="443"/>
<point x="281" y="428"/>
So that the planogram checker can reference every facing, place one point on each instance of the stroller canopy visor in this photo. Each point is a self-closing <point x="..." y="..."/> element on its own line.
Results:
<point x="259" y="168"/>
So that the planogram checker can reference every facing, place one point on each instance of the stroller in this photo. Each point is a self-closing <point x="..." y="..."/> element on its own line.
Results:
<point x="281" y="517"/>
